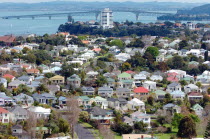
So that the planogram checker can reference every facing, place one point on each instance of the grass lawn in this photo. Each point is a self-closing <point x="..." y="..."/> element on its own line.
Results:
<point x="117" y="137"/>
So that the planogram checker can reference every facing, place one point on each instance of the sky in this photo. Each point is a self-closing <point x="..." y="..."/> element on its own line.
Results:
<point x="35" y="1"/>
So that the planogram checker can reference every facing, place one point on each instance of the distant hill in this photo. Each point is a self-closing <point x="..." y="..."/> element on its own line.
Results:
<point x="204" y="9"/>
<point x="73" y="5"/>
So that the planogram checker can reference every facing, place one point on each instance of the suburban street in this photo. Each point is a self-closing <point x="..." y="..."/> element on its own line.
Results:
<point x="83" y="133"/>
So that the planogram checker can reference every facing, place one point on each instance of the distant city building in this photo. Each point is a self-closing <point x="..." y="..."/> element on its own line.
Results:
<point x="106" y="19"/>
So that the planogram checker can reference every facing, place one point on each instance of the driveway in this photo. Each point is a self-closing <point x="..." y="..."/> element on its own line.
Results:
<point x="83" y="133"/>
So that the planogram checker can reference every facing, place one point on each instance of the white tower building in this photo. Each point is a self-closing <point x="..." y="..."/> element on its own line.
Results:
<point x="106" y="19"/>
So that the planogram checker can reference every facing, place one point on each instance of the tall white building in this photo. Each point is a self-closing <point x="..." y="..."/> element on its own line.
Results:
<point x="106" y="19"/>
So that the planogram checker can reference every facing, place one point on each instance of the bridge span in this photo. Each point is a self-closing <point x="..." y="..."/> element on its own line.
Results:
<point x="95" y="13"/>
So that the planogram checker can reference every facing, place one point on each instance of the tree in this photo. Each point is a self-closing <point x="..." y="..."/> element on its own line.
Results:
<point x="122" y="128"/>
<point x="118" y="43"/>
<point x="168" y="98"/>
<point x="105" y="132"/>
<point x="183" y="44"/>
<point x="22" y="88"/>
<point x="136" y="43"/>
<point x="140" y="126"/>
<point x="84" y="116"/>
<point x="150" y="100"/>
<point x="176" y="62"/>
<point x="199" y="84"/>
<point x="183" y="82"/>
<point x="208" y="90"/>
<point x="73" y="112"/>
<point x="176" y="119"/>
<point x="42" y="88"/>
<point x="63" y="126"/>
<point x="126" y="66"/>
<point x="49" y="75"/>
<point x="31" y="124"/>
<point x="187" y="128"/>
<point x="25" y="50"/>
<point x="153" y="51"/>
<point x="101" y="80"/>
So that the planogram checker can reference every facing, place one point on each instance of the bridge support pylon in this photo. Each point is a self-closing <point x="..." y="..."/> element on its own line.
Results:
<point x="137" y="16"/>
<point x="70" y="19"/>
<point x="33" y="17"/>
<point x="50" y="17"/>
<point x="97" y="15"/>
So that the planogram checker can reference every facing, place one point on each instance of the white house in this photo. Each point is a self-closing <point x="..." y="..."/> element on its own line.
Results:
<point x="40" y="111"/>
<point x="150" y="85"/>
<point x="134" y="103"/>
<point x="173" y="87"/>
<point x="190" y="87"/>
<point x="4" y="115"/>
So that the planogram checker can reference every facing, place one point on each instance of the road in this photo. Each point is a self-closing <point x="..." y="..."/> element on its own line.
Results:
<point x="83" y="133"/>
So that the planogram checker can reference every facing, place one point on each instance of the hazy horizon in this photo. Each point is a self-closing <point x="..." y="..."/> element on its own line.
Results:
<point x="38" y="1"/>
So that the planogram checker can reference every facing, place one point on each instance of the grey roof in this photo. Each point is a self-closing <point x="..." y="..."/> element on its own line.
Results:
<point x="169" y="105"/>
<point x="18" y="109"/>
<point x="174" y="84"/>
<point x="3" y="80"/>
<point x="44" y="95"/>
<point x="111" y="99"/>
<point x="73" y="77"/>
<point x="98" y="111"/>
<point x="22" y="96"/>
<point x="16" y="83"/>
<point x="24" y="77"/>
<point x="84" y="88"/>
<point x="105" y="88"/>
<point x="124" y="90"/>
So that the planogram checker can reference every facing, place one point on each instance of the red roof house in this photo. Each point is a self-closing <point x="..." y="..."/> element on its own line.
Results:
<point x="4" y="115"/>
<point x="9" y="76"/>
<point x="140" y="90"/>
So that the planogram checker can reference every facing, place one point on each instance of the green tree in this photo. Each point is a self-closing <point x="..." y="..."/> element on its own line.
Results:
<point x="199" y="84"/>
<point x="25" y="50"/>
<point x="150" y="100"/>
<point x="84" y="116"/>
<point x="63" y="126"/>
<point x="126" y="66"/>
<point x="136" y="43"/>
<point x="122" y="128"/>
<point x="176" y="62"/>
<point x="183" y="82"/>
<point x="49" y="75"/>
<point x="183" y="44"/>
<point x="42" y="88"/>
<point x="101" y="80"/>
<point x="22" y="88"/>
<point x="187" y="128"/>
<point x="140" y="126"/>
<point x="153" y="51"/>
<point x="176" y="119"/>
<point x="118" y="43"/>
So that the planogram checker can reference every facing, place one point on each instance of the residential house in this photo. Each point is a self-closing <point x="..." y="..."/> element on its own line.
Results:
<point x="177" y="94"/>
<point x="40" y="111"/>
<point x="105" y="91"/>
<point x="53" y="89"/>
<point x="32" y="71"/>
<point x="182" y="52"/>
<point x="26" y="100"/>
<point x="74" y="81"/>
<point x="62" y="100"/>
<point x="100" y="102"/>
<point x="45" y="98"/>
<point x="4" y="115"/>
<point x="110" y="82"/>
<point x="14" y="84"/>
<point x="117" y="103"/>
<point x="136" y="104"/>
<point x="139" y="78"/>
<point x="4" y="99"/>
<point x="156" y="78"/>
<point x="128" y="120"/>
<point x="3" y="81"/>
<point x="194" y="96"/>
<point x="173" y="87"/>
<point x="57" y="80"/>
<point x="9" y="76"/>
<point x="89" y="91"/>
<point x="26" y="79"/>
<point x="102" y="115"/>
<point x="198" y="109"/>
<point x="180" y="73"/>
<point x="141" y="93"/>
<point x="84" y="101"/>
<point x="172" y="77"/>
<point x="126" y="83"/>
<point x="122" y="56"/>
<point x="190" y="87"/>
<point x="140" y="116"/>
<point x="160" y="94"/>
<point x="160" y="58"/>
<point x="123" y="93"/>
<point x="19" y="132"/>
<point x="124" y="76"/>
<point x="18" y="113"/>
<point x="150" y="85"/>
<point x="172" y="108"/>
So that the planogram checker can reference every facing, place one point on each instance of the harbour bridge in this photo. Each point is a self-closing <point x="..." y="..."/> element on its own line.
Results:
<point x="95" y="13"/>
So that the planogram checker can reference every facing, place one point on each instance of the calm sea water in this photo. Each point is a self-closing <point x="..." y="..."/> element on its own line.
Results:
<point x="43" y="25"/>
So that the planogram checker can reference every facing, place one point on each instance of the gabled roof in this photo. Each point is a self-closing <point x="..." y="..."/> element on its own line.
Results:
<point x="174" y="84"/>
<point x="19" y="110"/>
<point x="197" y="106"/>
<point x="32" y="71"/>
<point x="195" y="94"/>
<point x="124" y="75"/>
<point x="140" y="90"/>
<point x="8" y="76"/>
<point x="22" y="96"/>
<point x="7" y="38"/>
<point x="2" y="110"/>
<point x="89" y="88"/>
<point x="57" y="77"/>
<point x="98" y="111"/>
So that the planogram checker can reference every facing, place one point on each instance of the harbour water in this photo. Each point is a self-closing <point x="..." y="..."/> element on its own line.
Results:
<point x="43" y="25"/>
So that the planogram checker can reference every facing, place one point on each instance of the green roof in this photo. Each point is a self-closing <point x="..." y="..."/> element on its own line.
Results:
<point x="98" y="98"/>
<point x="41" y="128"/>
<point x="197" y="106"/>
<point x="124" y="75"/>
<point x="168" y="56"/>
<point x="110" y="80"/>
<point x="160" y="92"/>
<point x="127" y="81"/>
<point x="86" y="98"/>
<point x="187" y="78"/>
<point x="193" y="62"/>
